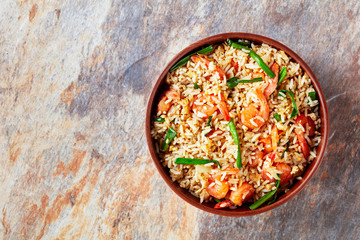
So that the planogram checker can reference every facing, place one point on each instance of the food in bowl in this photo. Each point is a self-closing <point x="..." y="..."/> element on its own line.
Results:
<point x="237" y="123"/>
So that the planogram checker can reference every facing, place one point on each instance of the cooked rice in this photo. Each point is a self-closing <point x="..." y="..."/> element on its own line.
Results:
<point x="191" y="140"/>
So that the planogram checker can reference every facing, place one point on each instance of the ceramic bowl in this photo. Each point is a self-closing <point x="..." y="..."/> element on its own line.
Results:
<point x="244" y="210"/>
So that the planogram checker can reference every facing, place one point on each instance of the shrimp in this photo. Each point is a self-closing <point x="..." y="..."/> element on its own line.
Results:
<point x="202" y="59"/>
<point x="270" y="143"/>
<point x="230" y="171"/>
<point x="286" y="175"/>
<point x="272" y="82"/>
<point x="208" y="104"/>
<point x="252" y="117"/>
<point x="256" y="158"/>
<point x="217" y="188"/>
<point x="267" y="144"/>
<point x="242" y="194"/>
<point x="166" y="100"/>
<point x="309" y="124"/>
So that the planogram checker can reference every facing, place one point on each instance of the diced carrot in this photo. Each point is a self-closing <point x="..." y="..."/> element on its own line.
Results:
<point x="303" y="120"/>
<point x="285" y="173"/>
<point x="274" y="137"/>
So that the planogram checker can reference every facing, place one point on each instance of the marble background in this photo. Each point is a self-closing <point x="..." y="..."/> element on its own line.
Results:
<point x="74" y="81"/>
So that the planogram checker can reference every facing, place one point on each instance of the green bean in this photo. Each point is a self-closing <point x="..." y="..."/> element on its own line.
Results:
<point x="209" y="121"/>
<point x="282" y="75"/>
<point x="195" y="161"/>
<point x="234" y="81"/>
<point x="291" y="94"/>
<point x="254" y="56"/>
<point x="235" y="136"/>
<point x="159" y="119"/>
<point x="266" y="197"/>
<point x="184" y="60"/>
<point x="277" y="117"/>
<point x="168" y="138"/>
<point x="287" y="148"/>
<point x="312" y="96"/>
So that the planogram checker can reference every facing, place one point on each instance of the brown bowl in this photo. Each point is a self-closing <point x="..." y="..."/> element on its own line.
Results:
<point x="244" y="210"/>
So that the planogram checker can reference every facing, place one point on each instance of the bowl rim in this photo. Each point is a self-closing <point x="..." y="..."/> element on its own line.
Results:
<point x="307" y="175"/>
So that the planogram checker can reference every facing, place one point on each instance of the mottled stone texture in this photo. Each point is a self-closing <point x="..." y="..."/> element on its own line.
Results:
<point x="74" y="81"/>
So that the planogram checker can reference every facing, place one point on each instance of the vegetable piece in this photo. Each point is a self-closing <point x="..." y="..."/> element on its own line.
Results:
<point x="303" y="145"/>
<point x="248" y="44"/>
<point x="253" y="55"/>
<point x="287" y="148"/>
<point x="194" y="161"/>
<point x="209" y="134"/>
<point x="266" y="197"/>
<point x="217" y="200"/>
<point x="272" y="201"/>
<point x="277" y="117"/>
<point x="159" y="119"/>
<point x="309" y="125"/>
<point x="282" y="75"/>
<point x="267" y="163"/>
<point x="306" y="120"/>
<point x="312" y="96"/>
<point x="286" y="175"/>
<point x="234" y="81"/>
<point x="196" y="86"/>
<point x="184" y="60"/>
<point x="209" y="121"/>
<point x="235" y="136"/>
<point x="291" y="94"/>
<point x="274" y="137"/>
<point x="242" y="194"/>
<point x="168" y="138"/>
<point x="224" y="204"/>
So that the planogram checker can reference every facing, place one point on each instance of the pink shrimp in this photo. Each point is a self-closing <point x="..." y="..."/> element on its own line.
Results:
<point x="212" y="103"/>
<point x="272" y="82"/>
<point x="202" y="59"/>
<point x="249" y="115"/>
<point x="166" y="100"/>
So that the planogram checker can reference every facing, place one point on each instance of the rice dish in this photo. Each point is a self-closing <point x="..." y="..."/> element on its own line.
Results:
<point x="275" y="145"/>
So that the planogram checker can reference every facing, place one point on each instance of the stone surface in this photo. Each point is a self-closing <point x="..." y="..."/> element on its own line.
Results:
<point x="74" y="80"/>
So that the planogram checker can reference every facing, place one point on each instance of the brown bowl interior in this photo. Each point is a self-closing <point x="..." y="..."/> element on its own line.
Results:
<point x="244" y="210"/>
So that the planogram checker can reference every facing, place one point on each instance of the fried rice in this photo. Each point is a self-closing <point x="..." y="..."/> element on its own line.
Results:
<point x="193" y="141"/>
